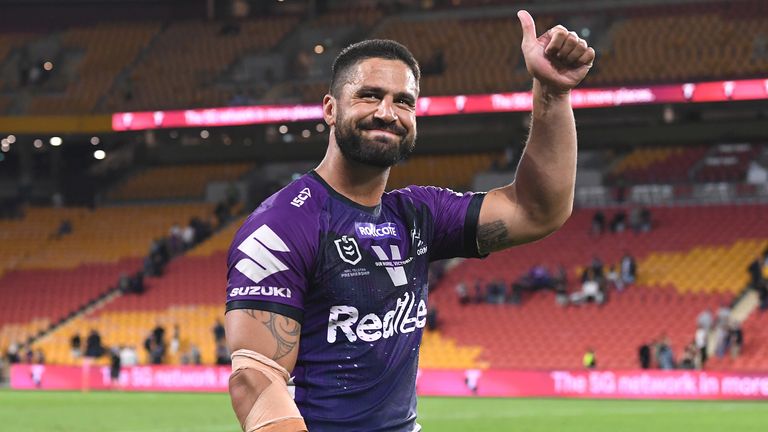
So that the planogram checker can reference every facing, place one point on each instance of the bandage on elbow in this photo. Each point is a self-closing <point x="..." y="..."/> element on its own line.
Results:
<point x="274" y="409"/>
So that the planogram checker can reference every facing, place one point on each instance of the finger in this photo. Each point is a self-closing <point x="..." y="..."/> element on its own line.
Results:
<point x="587" y="58"/>
<point x="571" y="42"/>
<point x="558" y="34"/>
<point x="578" y="51"/>
<point x="528" y="26"/>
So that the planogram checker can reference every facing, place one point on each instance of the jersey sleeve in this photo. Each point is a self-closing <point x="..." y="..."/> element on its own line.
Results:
<point x="455" y="216"/>
<point x="270" y="262"/>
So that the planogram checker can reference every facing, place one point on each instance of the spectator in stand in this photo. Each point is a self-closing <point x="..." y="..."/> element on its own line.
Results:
<point x="598" y="223"/>
<point x="175" y="339"/>
<point x="222" y="354"/>
<point x="724" y="314"/>
<point x="613" y="280"/>
<point x="114" y="366"/>
<point x="128" y="357"/>
<point x="156" y="352"/>
<point x="635" y="220"/>
<point x="646" y="223"/>
<point x="590" y="359"/>
<point x="689" y="357"/>
<point x="701" y="340"/>
<point x="758" y="281"/>
<point x="12" y="354"/>
<point x="590" y="289"/>
<point x="598" y="268"/>
<point x="432" y="319"/>
<point x="736" y="339"/>
<point x="93" y="346"/>
<point x="478" y="290"/>
<point x="218" y="331"/>
<point x="644" y="355"/>
<point x="561" y="286"/>
<point x="158" y="335"/>
<point x="76" y="346"/>
<point x="664" y="354"/>
<point x="461" y="292"/>
<point x="628" y="269"/>
<point x="175" y="242"/>
<point x="188" y="237"/>
<point x="704" y="320"/>
<point x="619" y="222"/>
<point x="65" y="228"/>
<point x="722" y="338"/>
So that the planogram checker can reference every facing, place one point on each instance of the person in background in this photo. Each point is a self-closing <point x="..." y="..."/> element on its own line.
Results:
<point x="628" y="269"/>
<point x="114" y="366"/>
<point x="590" y="359"/>
<point x="644" y="355"/>
<point x="76" y="346"/>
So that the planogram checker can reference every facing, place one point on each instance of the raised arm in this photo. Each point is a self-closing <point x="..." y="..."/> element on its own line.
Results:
<point x="264" y="347"/>
<point x="540" y="199"/>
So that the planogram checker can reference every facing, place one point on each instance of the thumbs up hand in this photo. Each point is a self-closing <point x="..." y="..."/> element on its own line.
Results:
<point x="559" y="59"/>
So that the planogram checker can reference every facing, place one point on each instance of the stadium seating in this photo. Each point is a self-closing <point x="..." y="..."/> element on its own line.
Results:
<point x="665" y="44"/>
<point x="108" y="49"/>
<point x="184" y="181"/>
<point x="44" y="278"/>
<point x="191" y="293"/>
<point x="180" y="68"/>
<point x="110" y="234"/>
<point x="540" y="334"/>
<point x="452" y="171"/>
<point x="658" y="165"/>
<point x="727" y="163"/>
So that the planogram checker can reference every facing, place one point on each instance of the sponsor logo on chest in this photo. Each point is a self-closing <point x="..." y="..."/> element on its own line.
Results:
<point x="371" y="327"/>
<point x="377" y="232"/>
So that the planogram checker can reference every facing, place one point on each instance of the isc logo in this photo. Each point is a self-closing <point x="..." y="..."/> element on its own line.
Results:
<point x="304" y="195"/>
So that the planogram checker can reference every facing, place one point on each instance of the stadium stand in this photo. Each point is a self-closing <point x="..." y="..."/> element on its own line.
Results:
<point x="183" y="181"/>
<point x="108" y="49"/>
<point x="685" y="42"/>
<point x="180" y="68"/>
<point x="452" y="171"/>
<point x="46" y="277"/>
<point x="541" y="334"/>
<point x="190" y="294"/>
<point x="658" y="165"/>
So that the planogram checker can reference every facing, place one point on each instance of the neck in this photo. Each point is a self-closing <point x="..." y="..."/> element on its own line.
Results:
<point x="363" y="184"/>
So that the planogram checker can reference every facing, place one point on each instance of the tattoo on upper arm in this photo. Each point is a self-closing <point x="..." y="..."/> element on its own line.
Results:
<point x="285" y="330"/>
<point x="492" y="236"/>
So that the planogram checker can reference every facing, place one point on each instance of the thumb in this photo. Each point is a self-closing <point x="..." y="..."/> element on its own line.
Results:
<point x="528" y="26"/>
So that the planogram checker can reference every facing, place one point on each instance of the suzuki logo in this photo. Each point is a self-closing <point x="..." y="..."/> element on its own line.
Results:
<point x="348" y="250"/>
<point x="261" y="262"/>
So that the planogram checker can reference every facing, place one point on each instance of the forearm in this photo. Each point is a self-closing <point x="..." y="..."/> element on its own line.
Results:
<point x="545" y="179"/>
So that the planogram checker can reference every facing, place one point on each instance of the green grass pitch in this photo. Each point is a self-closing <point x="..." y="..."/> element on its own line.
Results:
<point x="171" y="412"/>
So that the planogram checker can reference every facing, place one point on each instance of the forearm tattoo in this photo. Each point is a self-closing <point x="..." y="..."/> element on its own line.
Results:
<point x="492" y="236"/>
<point x="285" y="331"/>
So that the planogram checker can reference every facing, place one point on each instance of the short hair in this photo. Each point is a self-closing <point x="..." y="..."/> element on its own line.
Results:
<point x="372" y="48"/>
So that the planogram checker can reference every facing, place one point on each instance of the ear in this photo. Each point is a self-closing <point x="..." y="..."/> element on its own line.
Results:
<point x="329" y="110"/>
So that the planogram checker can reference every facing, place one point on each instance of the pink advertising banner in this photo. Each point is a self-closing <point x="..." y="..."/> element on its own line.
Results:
<point x="714" y="91"/>
<point x="604" y="384"/>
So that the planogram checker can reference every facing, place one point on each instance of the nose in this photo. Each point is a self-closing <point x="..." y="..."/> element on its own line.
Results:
<point x="386" y="111"/>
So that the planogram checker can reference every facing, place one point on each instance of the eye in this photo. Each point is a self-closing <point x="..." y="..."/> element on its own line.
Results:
<point x="405" y="102"/>
<point x="369" y="96"/>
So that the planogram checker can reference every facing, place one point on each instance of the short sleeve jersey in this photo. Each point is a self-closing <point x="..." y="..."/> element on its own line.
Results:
<point x="355" y="278"/>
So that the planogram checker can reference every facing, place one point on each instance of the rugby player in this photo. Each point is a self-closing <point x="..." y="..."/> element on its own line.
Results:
<point x="327" y="278"/>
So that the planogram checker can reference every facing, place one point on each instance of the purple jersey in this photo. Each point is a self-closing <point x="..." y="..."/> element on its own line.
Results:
<point x="355" y="277"/>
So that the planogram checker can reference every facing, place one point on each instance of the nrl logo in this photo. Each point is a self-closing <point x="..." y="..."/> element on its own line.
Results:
<point x="348" y="250"/>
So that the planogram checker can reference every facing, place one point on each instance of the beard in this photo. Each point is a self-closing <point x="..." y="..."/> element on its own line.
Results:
<point x="381" y="151"/>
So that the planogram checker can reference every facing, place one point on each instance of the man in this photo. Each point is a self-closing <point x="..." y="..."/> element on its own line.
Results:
<point x="328" y="277"/>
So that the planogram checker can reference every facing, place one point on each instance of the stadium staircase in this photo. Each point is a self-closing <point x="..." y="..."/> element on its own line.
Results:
<point x="46" y="279"/>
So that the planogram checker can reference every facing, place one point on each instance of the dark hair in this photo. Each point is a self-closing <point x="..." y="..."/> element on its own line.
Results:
<point x="372" y="48"/>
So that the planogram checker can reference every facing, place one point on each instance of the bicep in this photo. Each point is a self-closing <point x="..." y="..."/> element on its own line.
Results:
<point x="504" y="223"/>
<point x="268" y="333"/>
